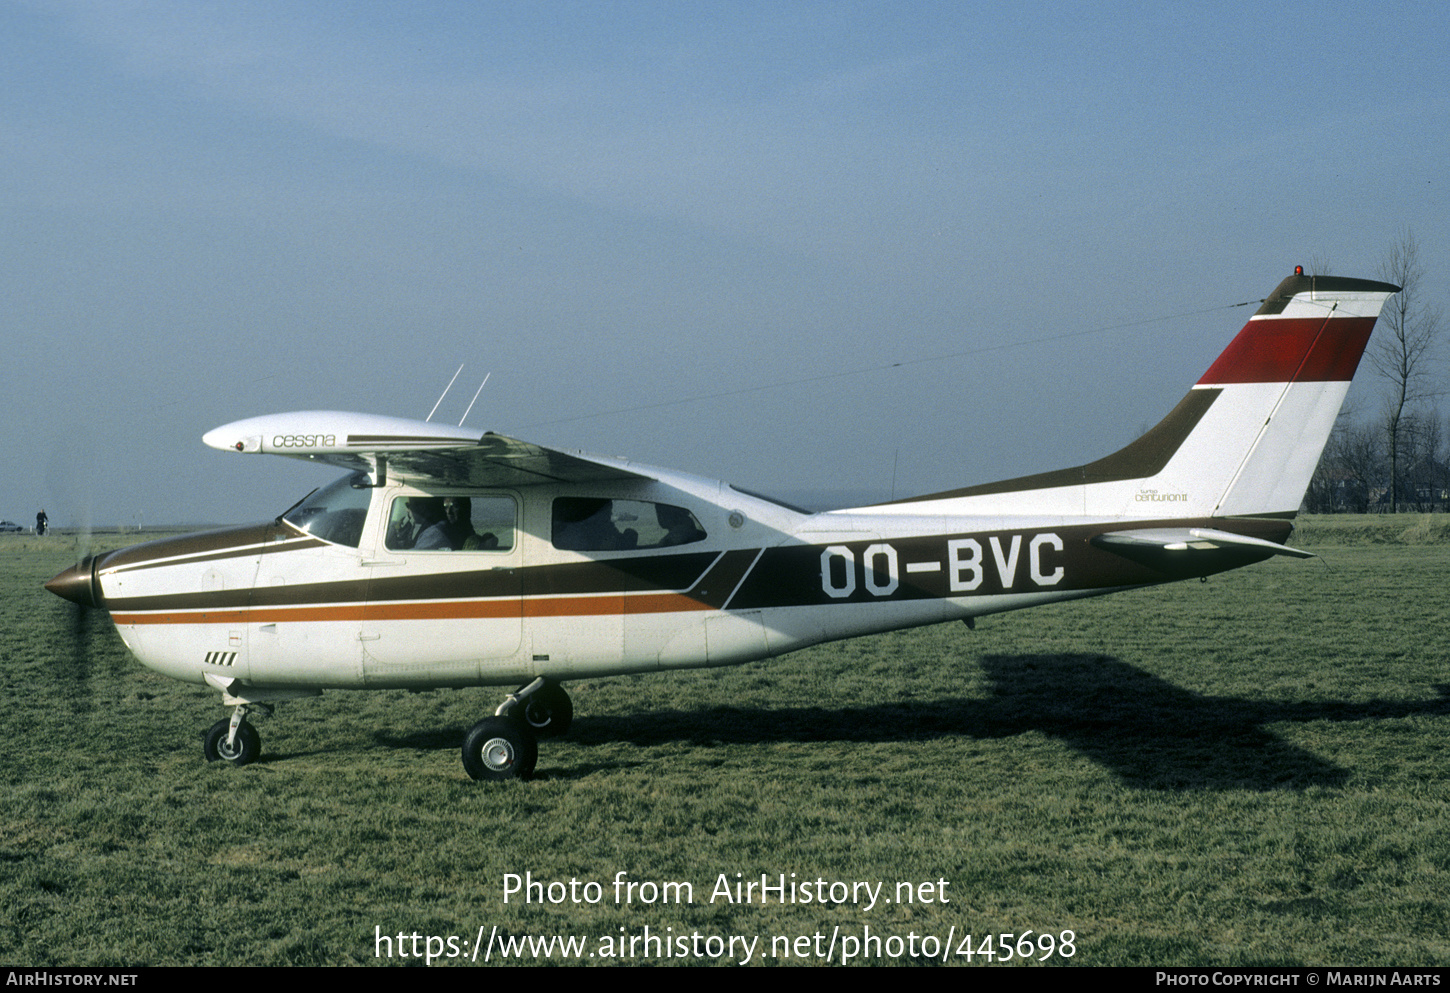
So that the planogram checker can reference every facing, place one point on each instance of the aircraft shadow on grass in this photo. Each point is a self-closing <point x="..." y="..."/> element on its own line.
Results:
<point x="1148" y="732"/>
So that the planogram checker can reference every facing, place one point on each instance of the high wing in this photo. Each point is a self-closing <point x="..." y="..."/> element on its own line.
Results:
<point x="413" y="451"/>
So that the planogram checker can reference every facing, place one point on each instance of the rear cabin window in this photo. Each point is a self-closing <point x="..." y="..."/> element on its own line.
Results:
<point x="591" y="524"/>
<point x="467" y="523"/>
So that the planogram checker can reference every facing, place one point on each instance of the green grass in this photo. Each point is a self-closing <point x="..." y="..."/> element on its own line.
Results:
<point x="1245" y="771"/>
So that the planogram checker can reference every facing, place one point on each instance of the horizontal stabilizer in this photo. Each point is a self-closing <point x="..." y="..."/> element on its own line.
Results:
<point x="1189" y="540"/>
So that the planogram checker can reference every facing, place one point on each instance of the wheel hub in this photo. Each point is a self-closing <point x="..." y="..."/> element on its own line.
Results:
<point x="498" y="754"/>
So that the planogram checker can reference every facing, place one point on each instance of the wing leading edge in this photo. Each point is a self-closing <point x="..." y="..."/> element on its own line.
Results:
<point x="413" y="451"/>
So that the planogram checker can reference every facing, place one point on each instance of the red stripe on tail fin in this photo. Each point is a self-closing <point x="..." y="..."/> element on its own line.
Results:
<point x="1292" y="349"/>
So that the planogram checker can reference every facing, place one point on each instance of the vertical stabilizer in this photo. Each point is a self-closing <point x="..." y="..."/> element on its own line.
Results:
<point x="1243" y="442"/>
<point x="1283" y="380"/>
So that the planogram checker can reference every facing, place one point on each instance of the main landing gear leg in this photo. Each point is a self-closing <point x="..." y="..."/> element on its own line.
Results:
<point x="235" y="740"/>
<point x="506" y="745"/>
<point x="547" y="710"/>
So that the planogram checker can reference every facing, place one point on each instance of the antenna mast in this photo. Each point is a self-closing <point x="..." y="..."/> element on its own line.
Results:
<point x="445" y="393"/>
<point x="475" y="398"/>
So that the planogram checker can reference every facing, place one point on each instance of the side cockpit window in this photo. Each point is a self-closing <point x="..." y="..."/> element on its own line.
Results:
<point x="336" y="513"/>
<point x="463" y="523"/>
<point x="592" y="524"/>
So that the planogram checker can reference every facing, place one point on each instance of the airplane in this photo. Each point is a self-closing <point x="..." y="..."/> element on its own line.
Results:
<point x="448" y="559"/>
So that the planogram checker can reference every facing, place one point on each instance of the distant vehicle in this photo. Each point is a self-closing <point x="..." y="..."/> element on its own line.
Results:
<point x="450" y="559"/>
<point x="10" y="526"/>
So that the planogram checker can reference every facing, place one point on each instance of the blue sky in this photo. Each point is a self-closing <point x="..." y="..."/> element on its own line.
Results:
<point x="635" y="216"/>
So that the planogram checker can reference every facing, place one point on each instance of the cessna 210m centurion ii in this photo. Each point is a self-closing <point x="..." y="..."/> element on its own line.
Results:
<point x="445" y="559"/>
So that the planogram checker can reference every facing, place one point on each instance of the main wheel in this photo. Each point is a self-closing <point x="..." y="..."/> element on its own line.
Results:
<point x="498" y="748"/>
<point x="240" y="752"/>
<point x="549" y="712"/>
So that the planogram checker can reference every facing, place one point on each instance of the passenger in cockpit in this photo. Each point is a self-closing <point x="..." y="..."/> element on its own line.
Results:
<point x="458" y="522"/>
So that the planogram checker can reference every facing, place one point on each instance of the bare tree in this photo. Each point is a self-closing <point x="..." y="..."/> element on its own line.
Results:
<point x="1404" y="348"/>
<point x="1349" y="473"/>
<point x="1422" y="459"/>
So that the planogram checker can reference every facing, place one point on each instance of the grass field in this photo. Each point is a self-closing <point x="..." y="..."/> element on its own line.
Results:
<point x="1246" y="771"/>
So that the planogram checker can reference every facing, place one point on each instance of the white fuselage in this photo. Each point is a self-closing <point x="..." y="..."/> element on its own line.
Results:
<point x="274" y="606"/>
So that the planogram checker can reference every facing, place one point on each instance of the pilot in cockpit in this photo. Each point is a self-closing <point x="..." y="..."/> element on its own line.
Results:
<point x="429" y="516"/>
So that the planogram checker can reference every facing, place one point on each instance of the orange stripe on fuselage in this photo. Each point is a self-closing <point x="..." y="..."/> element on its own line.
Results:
<point x="580" y="606"/>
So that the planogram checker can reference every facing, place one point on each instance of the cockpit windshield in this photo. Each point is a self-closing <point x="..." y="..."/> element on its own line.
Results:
<point x="335" y="513"/>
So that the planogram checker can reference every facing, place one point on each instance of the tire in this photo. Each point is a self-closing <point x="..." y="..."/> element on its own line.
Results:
<point x="549" y="712"/>
<point x="500" y="748"/>
<point x="243" y="751"/>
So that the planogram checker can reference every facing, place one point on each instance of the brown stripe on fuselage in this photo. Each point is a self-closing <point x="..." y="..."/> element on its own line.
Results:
<point x="1141" y="459"/>
<point x="624" y="574"/>
<point x="242" y="598"/>
<point x="717" y="573"/>
<point x="721" y="580"/>
<point x="246" y="539"/>
<point x="676" y="572"/>
<point x="506" y="608"/>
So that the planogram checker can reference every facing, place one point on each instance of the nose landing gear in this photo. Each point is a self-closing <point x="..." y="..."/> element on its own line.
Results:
<point x="235" y="740"/>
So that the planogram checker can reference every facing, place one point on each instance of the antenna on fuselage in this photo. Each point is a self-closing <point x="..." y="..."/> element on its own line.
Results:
<point x="445" y="393"/>
<point x="475" y="397"/>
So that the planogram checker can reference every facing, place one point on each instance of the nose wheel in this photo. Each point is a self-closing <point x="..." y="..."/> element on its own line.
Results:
<point x="241" y="748"/>
<point x="234" y="740"/>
